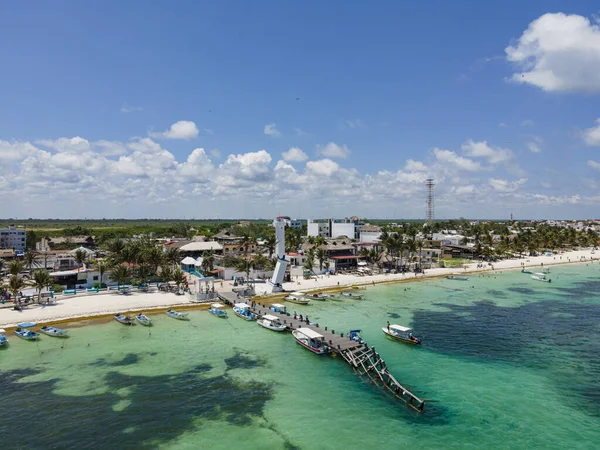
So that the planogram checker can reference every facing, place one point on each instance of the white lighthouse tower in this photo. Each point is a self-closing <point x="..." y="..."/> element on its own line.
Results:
<point x="277" y="279"/>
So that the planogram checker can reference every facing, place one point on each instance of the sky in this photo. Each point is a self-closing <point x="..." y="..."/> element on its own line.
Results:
<point x="236" y="109"/>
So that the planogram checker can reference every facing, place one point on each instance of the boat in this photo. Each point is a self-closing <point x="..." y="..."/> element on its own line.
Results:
<point x="351" y="295"/>
<point x="243" y="310"/>
<point x="3" y="339"/>
<point x="400" y="333"/>
<point x="217" y="309"/>
<point x="125" y="320"/>
<point x="297" y="297"/>
<point x="144" y="319"/>
<point x="278" y="308"/>
<point x="26" y="324"/>
<point x="177" y="315"/>
<point x="28" y="335"/>
<point x="271" y="322"/>
<point x="54" y="332"/>
<point x="457" y="277"/>
<point x="354" y="335"/>
<point x="310" y="340"/>
<point x="541" y="277"/>
<point x="321" y="296"/>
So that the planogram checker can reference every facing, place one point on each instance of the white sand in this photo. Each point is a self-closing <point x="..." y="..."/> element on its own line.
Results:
<point x="111" y="303"/>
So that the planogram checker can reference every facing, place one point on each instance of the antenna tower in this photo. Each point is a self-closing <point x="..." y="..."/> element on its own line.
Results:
<point x="430" y="201"/>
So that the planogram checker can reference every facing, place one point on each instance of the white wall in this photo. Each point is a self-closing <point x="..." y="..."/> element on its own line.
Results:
<point x="343" y="229"/>
<point x="370" y="236"/>
<point x="318" y="229"/>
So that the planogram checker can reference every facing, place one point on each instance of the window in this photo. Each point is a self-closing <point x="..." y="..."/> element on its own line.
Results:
<point x="95" y="278"/>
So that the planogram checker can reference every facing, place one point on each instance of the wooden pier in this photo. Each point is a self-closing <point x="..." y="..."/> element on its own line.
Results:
<point x="364" y="360"/>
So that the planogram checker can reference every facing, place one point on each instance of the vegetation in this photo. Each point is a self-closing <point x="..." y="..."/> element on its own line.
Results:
<point x="41" y="280"/>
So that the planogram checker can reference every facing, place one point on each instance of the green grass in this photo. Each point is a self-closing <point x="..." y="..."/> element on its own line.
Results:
<point x="456" y="262"/>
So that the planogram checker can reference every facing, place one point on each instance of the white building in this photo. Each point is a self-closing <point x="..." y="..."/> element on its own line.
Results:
<point x="449" y="239"/>
<point x="13" y="238"/>
<point x="319" y="227"/>
<point x="344" y="227"/>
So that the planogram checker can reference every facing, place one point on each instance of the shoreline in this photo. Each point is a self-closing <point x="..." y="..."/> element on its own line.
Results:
<point x="93" y="308"/>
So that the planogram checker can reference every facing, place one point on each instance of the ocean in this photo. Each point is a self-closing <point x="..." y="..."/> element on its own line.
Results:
<point x="506" y="362"/>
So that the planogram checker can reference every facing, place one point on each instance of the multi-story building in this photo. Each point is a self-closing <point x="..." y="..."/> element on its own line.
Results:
<point x="333" y="228"/>
<point x="319" y="227"/>
<point x="13" y="238"/>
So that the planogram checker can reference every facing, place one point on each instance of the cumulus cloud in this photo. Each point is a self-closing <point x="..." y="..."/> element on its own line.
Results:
<point x="527" y="123"/>
<point x="535" y="144"/>
<point x="459" y="162"/>
<point x="127" y="109"/>
<point x="294" y="154"/>
<point x="591" y="136"/>
<point x="483" y="150"/>
<point x="271" y="130"/>
<point x="594" y="164"/>
<point x="558" y="52"/>
<point x="182" y="129"/>
<point x="332" y="150"/>
<point x="324" y="167"/>
<point x="505" y="185"/>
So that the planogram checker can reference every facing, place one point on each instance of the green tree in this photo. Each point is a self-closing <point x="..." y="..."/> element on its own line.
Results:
<point x="178" y="278"/>
<point x="208" y="261"/>
<point x="29" y="259"/>
<point x="15" y="267"/>
<point x="321" y="255"/>
<point x="15" y="284"/>
<point x="41" y="280"/>
<point x="120" y="274"/>
<point x="269" y="244"/>
<point x="101" y="266"/>
<point x="172" y="256"/>
<point x="30" y="239"/>
<point x="81" y="256"/>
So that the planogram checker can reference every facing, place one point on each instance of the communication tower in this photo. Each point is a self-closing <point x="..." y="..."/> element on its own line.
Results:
<point x="430" y="201"/>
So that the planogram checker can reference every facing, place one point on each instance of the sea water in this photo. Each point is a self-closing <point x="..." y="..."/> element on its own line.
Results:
<point x="506" y="362"/>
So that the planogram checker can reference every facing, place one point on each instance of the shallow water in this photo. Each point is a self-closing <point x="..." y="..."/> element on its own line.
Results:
<point x="510" y="363"/>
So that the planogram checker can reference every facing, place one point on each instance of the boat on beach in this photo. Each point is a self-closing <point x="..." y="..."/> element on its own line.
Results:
<point x="122" y="318"/>
<point x="143" y="319"/>
<point x="176" y="314"/>
<point x="28" y="335"/>
<point x="54" y="332"/>
<point x="3" y="339"/>
<point x="278" y="308"/>
<point x="538" y="276"/>
<point x="457" y="277"/>
<point x="297" y="297"/>
<point x="243" y="310"/>
<point x="217" y="309"/>
<point x="321" y="296"/>
<point x="400" y="333"/>
<point x="271" y="323"/>
<point x="351" y="295"/>
<point x="310" y="340"/>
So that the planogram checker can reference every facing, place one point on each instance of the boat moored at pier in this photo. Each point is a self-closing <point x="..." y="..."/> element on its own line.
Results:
<point x="271" y="323"/>
<point x="297" y="297"/>
<point x="243" y="310"/>
<point x="278" y="308"/>
<point x="218" y="310"/>
<point x="400" y="333"/>
<point x="310" y="340"/>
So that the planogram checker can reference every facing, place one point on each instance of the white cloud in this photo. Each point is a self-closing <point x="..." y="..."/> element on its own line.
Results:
<point x="593" y="164"/>
<point x="126" y="109"/>
<point x="332" y="150"/>
<point x="294" y="154"/>
<point x="483" y="150"/>
<point x="300" y="132"/>
<point x="415" y="166"/>
<point x="464" y="190"/>
<point x="527" y="123"/>
<point x="535" y="145"/>
<point x="505" y="185"/>
<point x="324" y="167"/>
<point x="558" y="52"/>
<point x="215" y="153"/>
<point x="591" y="136"/>
<point x="182" y="129"/>
<point x="271" y="130"/>
<point x="110" y="148"/>
<point x="15" y="151"/>
<point x="355" y="123"/>
<point x="450" y="157"/>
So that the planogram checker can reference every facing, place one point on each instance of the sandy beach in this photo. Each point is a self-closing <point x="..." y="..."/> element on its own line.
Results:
<point x="91" y="305"/>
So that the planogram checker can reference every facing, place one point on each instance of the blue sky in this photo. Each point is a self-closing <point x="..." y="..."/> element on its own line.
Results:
<point x="377" y="96"/>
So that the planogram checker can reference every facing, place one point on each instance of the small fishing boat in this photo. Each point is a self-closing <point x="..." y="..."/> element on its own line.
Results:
<point x="457" y="277"/>
<point x="54" y="332"/>
<point x="354" y="335"/>
<point x="217" y="309"/>
<point x="28" y="335"/>
<point x="538" y="276"/>
<point x="400" y="333"/>
<point x="351" y="295"/>
<point x="310" y="340"/>
<point x="526" y="271"/>
<point x="271" y="322"/>
<point x="122" y="318"/>
<point x="143" y="319"/>
<point x="3" y="340"/>
<point x="278" y="308"/>
<point x="321" y="296"/>
<point x="177" y="315"/>
<point x="297" y="297"/>
<point x="243" y="310"/>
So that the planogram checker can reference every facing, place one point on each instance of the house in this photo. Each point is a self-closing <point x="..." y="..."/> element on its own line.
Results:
<point x="197" y="248"/>
<point x="12" y="238"/>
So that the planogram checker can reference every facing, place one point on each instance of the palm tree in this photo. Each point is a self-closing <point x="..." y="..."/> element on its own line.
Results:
<point x="244" y="265"/>
<point x="101" y="266"/>
<point x="321" y="255"/>
<point x="15" y="284"/>
<point x="121" y="274"/>
<point x="172" y="256"/>
<point x="166" y="273"/>
<point x="29" y="258"/>
<point x="178" y="277"/>
<point x="259" y="261"/>
<point x="269" y="244"/>
<point x="41" y="280"/>
<point x="15" y="267"/>
<point x="2" y="263"/>
<point x="81" y="256"/>
<point x="309" y="263"/>
<point x="208" y="261"/>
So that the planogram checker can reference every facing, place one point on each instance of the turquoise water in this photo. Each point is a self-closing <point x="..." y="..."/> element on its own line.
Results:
<point x="510" y="363"/>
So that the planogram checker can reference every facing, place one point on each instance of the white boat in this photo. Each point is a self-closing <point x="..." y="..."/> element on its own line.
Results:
<point x="243" y="310"/>
<point x="125" y="320"/>
<point x="400" y="333"/>
<point x="3" y="340"/>
<point x="541" y="277"/>
<point x="310" y="340"/>
<point x="297" y="297"/>
<point x="177" y="315"/>
<point x="217" y="309"/>
<point x="351" y="295"/>
<point x="457" y="277"/>
<point x="271" y="322"/>
<point x="321" y="296"/>
<point x="143" y="319"/>
<point x="54" y="332"/>
<point x="278" y="308"/>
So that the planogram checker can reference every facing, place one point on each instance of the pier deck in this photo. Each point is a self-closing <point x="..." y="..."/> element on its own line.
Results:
<point x="364" y="360"/>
